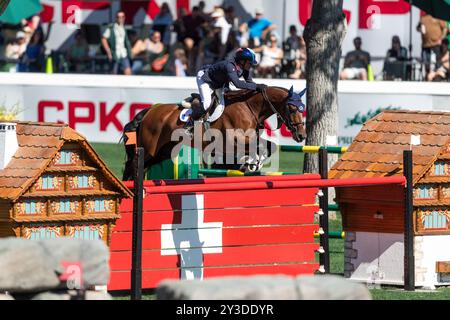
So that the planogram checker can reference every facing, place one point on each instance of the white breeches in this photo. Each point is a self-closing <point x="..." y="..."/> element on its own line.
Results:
<point x="206" y="92"/>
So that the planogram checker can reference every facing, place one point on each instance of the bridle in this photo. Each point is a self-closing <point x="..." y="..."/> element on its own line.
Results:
<point x="292" y="126"/>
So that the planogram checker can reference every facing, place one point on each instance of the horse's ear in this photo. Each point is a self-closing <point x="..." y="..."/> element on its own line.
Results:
<point x="302" y="92"/>
<point x="291" y="91"/>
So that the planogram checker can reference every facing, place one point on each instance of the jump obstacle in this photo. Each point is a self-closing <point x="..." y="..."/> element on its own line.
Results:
<point x="190" y="168"/>
<point x="195" y="229"/>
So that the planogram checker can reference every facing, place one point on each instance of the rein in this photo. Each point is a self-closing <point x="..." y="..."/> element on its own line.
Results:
<point x="287" y="121"/>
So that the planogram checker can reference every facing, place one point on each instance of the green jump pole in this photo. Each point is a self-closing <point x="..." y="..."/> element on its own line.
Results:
<point x="333" y="207"/>
<point x="314" y="149"/>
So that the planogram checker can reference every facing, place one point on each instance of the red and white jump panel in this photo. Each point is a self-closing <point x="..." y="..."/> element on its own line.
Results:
<point x="218" y="232"/>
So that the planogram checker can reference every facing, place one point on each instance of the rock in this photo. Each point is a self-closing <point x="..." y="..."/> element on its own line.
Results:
<point x="52" y="296"/>
<point x="263" y="288"/>
<point x="92" y="254"/>
<point x="35" y="266"/>
<point x="229" y="288"/>
<point x="4" y="296"/>
<point x="329" y="287"/>
<point x="96" y="295"/>
<point x="25" y="266"/>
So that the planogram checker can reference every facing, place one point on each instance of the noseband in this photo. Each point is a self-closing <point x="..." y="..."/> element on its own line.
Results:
<point x="292" y="126"/>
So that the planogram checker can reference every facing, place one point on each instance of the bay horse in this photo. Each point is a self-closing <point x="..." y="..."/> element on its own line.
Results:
<point x="245" y="109"/>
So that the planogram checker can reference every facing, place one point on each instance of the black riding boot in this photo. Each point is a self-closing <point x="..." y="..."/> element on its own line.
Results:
<point x="197" y="113"/>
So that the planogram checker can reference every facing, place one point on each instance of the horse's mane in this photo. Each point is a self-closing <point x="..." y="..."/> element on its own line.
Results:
<point x="243" y="95"/>
<point x="239" y="95"/>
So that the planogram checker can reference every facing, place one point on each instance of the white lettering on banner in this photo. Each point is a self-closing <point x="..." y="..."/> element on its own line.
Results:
<point x="192" y="237"/>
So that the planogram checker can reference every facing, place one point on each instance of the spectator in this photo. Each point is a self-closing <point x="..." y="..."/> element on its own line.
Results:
<point x="442" y="73"/>
<point x="210" y="47"/>
<point x="201" y="10"/>
<point x="34" y="57"/>
<point x="14" y="51"/>
<point x="295" y="52"/>
<point x="180" y="63"/>
<point x="219" y="21"/>
<point x="192" y="24"/>
<point x="178" y="25"/>
<point x="147" y="51"/>
<point x="138" y="52"/>
<point x="397" y="52"/>
<point x="433" y="31"/>
<point x="271" y="58"/>
<point x="258" y="28"/>
<point x="394" y="64"/>
<point x="163" y="22"/>
<point x="232" y="19"/>
<point x="77" y="54"/>
<point x="356" y="63"/>
<point x="117" y="45"/>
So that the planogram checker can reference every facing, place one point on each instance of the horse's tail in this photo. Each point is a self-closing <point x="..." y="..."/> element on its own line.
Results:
<point x="132" y="126"/>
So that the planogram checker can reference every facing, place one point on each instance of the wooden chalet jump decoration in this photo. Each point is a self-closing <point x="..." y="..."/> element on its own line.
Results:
<point x="53" y="184"/>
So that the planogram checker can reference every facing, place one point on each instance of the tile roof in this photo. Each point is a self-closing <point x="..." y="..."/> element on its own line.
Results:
<point x="38" y="145"/>
<point x="377" y="150"/>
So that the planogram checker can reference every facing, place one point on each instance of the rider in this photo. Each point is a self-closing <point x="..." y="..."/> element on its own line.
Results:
<point x="216" y="77"/>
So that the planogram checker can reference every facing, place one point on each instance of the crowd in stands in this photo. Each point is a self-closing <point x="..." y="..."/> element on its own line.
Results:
<point x="179" y="45"/>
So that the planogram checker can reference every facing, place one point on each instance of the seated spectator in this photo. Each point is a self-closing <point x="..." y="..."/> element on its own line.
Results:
<point x="397" y="52"/>
<point x="180" y="63"/>
<point x="257" y="28"/>
<point x="442" y="72"/>
<point x="163" y="22"/>
<point x="77" y="54"/>
<point x="14" y="51"/>
<point x="33" y="60"/>
<point x="394" y="64"/>
<point x="356" y="63"/>
<point x="295" y="53"/>
<point x="271" y="58"/>
<point x="145" y="52"/>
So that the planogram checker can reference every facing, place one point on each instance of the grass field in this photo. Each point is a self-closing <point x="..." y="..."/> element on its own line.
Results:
<point x="114" y="156"/>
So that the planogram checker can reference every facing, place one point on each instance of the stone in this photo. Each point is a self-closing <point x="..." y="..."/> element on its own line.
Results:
<point x="350" y="236"/>
<point x="229" y="288"/>
<point x="348" y="245"/>
<point x="349" y="267"/>
<point x="25" y="266"/>
<point x="347" y="274"/>
<point x="35" y="266"/>
<point x="5" y="296"/>
<point x="92" y="254"/>
<point x="97" y="295"/>
<point x="324" y="287"/>
<point x="350" y="253"/>
<point x="330" y="287"/>
<point x="64" y="295"/>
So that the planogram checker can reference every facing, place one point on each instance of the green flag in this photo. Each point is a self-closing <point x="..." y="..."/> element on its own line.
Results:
<point x="439" y="9"/>
<point x="17" y="10"/>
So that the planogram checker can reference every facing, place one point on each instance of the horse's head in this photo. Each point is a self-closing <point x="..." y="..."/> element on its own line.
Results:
<point x="295" y="109"/>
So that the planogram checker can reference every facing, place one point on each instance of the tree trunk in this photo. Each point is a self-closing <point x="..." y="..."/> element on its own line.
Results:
<point x="324" y="33"/>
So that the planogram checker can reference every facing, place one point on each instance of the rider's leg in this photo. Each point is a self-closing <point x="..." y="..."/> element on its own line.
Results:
<point x="205" y="92"/>
<point x="220" y="94"/>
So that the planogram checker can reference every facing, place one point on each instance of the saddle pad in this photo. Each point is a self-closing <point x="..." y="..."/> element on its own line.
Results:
<point x="186" y="113"/>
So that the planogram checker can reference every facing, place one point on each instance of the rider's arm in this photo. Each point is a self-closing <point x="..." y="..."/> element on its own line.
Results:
<point x="232" y="75"/>
<point x="248" y="77"/>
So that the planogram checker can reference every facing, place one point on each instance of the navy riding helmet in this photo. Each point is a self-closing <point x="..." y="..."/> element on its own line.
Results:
<point x="246" y="54"/>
